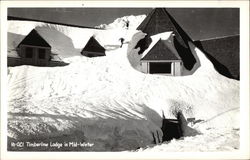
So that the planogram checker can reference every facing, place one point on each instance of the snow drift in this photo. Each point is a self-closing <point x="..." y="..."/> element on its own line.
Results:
<point x="121" y="23"/>
<point x="105" y="101"/>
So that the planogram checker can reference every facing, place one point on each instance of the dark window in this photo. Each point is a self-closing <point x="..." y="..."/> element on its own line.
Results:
<point x="90" y="55"/>
<point x="41" y="53"/>
<point x="160" y="67"/>
<point x="28" y="52"/>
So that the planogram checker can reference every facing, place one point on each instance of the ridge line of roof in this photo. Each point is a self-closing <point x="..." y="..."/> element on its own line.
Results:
<point x="178" y="27"/>
<point x="233" y="35"/>
<point x="146" y="18"/>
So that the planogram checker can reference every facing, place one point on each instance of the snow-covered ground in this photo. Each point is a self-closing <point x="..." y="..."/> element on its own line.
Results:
<point x="120" y="23"/>
<point x="105" y="101"/>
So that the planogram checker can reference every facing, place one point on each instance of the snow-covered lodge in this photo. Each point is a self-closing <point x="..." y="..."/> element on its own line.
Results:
<point x="167" y="56"/>
<point x="93" y="48"/>
<point x="34" y="50"/>
<point x="172" y="55"/>
<point x="167" y="53"/>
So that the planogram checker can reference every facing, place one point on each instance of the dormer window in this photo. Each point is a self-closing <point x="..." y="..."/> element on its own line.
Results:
<point x="41" y="53"/>
<point x="28" y="52"/>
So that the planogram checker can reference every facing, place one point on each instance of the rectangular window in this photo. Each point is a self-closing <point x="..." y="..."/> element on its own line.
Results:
<point x="28" y="52"/>
<point x="160" y="67"/>
<point x="41" y="53"/>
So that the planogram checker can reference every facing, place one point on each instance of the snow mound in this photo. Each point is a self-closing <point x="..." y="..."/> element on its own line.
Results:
<point x="134" y="22"/>
<point x="105" y="101"/>
<point x="210" y="141"/>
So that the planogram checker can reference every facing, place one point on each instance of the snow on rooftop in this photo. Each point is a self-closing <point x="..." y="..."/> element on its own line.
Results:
<point x="66" y="41"/>
<point x="155" y="39"/>
<point x="13" y="54"/>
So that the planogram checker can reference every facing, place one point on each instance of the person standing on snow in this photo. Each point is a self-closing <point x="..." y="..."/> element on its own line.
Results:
<point x="122" y="40"/>
<point x="127" y="24"/>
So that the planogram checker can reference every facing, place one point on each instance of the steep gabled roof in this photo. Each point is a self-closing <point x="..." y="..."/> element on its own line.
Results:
<point x="224" y="53"/>
<point x="162" y="50"/>
<point x="94" y="46"/>
<point x="158" y="21"/>
<point x="35" y="39"/>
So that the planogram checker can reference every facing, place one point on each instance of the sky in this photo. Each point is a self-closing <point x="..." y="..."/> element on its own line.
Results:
<point x="199" y="23"/>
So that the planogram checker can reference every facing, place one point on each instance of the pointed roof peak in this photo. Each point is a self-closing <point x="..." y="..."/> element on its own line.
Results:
<point x="162" y="50"/>
<point x="35" y="39"/>
<point x="93" y="45"/>
<point x="92" y="39"/>
<point x="160" y="20"/>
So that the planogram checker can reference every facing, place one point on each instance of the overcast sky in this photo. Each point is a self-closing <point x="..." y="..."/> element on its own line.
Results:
<point x="199" y="23"/>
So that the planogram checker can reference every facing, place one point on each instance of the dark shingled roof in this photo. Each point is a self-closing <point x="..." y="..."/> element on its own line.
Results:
<point x="94" y="46"/>
<point x="224" y="53"/>
<point x="159" y="21"/>
<point x="34" y="39"/>
<point x="162" y="50"/>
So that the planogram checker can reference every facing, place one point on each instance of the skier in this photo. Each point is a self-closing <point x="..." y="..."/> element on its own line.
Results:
<point x="127" y="24"/>
<point x="122" y="40"/>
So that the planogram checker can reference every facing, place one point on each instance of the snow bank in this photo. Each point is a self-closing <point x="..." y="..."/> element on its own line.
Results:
<point x="105" y="101"/>
<point x="211" y="141"/>
<point x="120" y="23"/>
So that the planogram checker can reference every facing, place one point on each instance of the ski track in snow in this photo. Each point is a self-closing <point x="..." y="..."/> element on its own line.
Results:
<point x="107" y="102"/>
